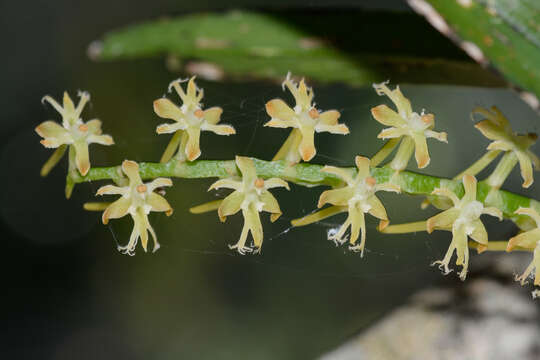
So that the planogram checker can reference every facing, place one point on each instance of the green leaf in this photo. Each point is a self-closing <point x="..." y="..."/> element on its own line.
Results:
<point x="505" y="34"/>
<point x="318" y="46"/>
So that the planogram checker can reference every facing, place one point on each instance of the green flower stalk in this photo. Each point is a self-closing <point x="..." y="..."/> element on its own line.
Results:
<point x="74" y="133"/>
<point x="138" y="200"/>
<point x="305" y="119"/>
<point x="463" y="219"/>
<point x="189" y="119"/>
<point x="410" y="127"/>
<point x="250" y="195"/>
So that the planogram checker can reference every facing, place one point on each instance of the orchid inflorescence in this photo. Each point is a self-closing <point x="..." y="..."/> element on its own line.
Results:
<point x="463" y="200"/>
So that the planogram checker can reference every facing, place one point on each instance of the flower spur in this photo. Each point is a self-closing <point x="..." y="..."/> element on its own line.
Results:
<point x="250" y="195"/>
<point x="463" y="219"/>
<point x="138" y="200"/>
<point x="304" y="118"/>
<point x="73" y="133"/>
<point x="189" y="119"/>
<point x="409" y="128"/>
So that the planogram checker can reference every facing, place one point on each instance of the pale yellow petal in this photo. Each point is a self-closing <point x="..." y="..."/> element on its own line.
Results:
<point x="112" y="190"/>
<point x="165" y="108"/>
<point x="213" y="115"/>
<point x="421" y="152"/>
<point x="226" y="183"/>
<point x="157" y="183"/>
<point x="271" y="205"/>
<point x="442" y="221"/>
<point x="338" y="197"/>
<point x="529" y="212"/>
<point x="500" y="145"/>
<point x="493" y="211"/>
<point x="275" y="182"/>
<point x="193" y="150"/>
<point x="82" y="158"/>
<point x="307" y="144"/>
<point x="441" y="136"/>
<point x="94" y="126"/>
<point x="339" y="129"/>
<point x="219" y="129"/>
<point x="247" y="168"/>
<point x="230" y="205"/>
<point x="377" y="208"/>
<point x="116" y="210"/>
<point x="158" y="203"/>
<point x="278" y="123"/>
<point x="387" y="116"/>
<point x="278" y="109"/>
<point x="446" y="193"/>
<point x="100" y="139"/>
<point x="131" y="169"/>
<point x="479" y="233"/>
<point x="362" y="164"/>
<point x="391" y="133"/>
<point x="469" y="183"/>
<point x="525" y="166"/>
<point x="526" y="240"/>
<point x="329" y="117"/>
<point x="253" y="222"/>
<point x="339" y="172"/>
<point x="51" y="129"/>
<point x="171" y="128"/>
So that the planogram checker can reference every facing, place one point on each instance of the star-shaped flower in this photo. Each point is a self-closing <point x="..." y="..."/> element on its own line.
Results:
<point x="305" y="118"/>
<point x="358" y="195"/>
<point x="73" y="132"/>
<point x="250" y="195"/>
<point x="137" y="200"/>
<point x="529" y="240"/>
<point x="496" y="127"/>
<point x="411" y="127"/>
<point x="189" y="118"/>
<point x="463" y="219"/>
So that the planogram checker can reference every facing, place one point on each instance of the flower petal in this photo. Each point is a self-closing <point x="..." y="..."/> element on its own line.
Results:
<point x="469" y="183"/>
<point x="441" y="136"/>
<point x="193" y="150"/>
<point x="340" y="129"/>
<point x="213" y="115"/>
<point x="82" y="158"/>
<point x="112" y="190"/>
<point x="442" y="221"/>
<point x="170" y="128"/>
<point x="219" y="129"/>
<point x="446" y="193"/>
<point x="479" y="233"/>
<point x="391" y="133"/>
<point x="387" y="116"/>
<point x="271" y="205"/>
<point x="307" y="144"/>
<point x="525" y="166"/>
<point x="230" y="205"/>
<point x="157" y="183"/>
<point x="377" y="208"/>
<point x="226" y="183"/>
<point x="329" y="117"/>
<point x="131" y="169"/>
<point x="530" y="212"/>
<point x="279" y="110"/>
<point x="493" y="211"/>
<point x="253" y="221"/>
<point x="362" y="164"/>
<point x="116" y="210"/>
<point x="158" y="203"/>
<point x="421" y="151"/>
<point x="165" y="108"/>
<point x="51" y="129"/>
<point x="526" y="240"/>
<point x="247" y="168"/>
<point x="100" y="139"/>
<point x="94" y="126"/>
<point x="338" y="197"/>
<point x="402" y="103"/>
<point x="276" y="182"/>
<point x="339" y="172"/>
<point x="278" y="123"/>
<point x="500" y="145"/>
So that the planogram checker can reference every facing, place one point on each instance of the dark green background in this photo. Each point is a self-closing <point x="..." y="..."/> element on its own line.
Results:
<point x="67" y="292"/>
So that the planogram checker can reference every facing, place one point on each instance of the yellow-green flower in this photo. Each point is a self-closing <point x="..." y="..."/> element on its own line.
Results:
<point x="137" y="200"/>
<point x="189" y="118"/>
<point x="358" y="195"/>
<point x="250" y="195"/>
<point x="496" y="127"/>
<point x="463" y="219"/>
<point x="412" y="128"/>
<point x="529" y="240"/>
<point x="73" y="132"/>
<point x="305" y="118"/>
